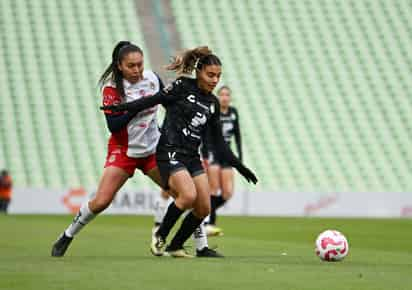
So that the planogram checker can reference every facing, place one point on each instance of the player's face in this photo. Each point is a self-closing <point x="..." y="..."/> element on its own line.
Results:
<point x="132" y="67"/>
<point x="208" y="77"/>
<point x="224" y="98"/>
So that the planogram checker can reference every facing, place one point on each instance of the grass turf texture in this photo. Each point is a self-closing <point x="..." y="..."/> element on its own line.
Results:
<point x="261" y="253"/>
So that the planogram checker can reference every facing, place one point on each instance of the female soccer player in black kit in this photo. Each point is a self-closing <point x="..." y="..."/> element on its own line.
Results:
<point x="220" y="174"/>
<point x="190" y="109"/>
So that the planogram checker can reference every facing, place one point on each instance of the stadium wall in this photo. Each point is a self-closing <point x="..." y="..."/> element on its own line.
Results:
<point x="141" y="202"/>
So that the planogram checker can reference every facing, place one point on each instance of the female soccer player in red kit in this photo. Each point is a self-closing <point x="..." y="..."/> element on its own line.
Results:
<point x="133" y="139"/>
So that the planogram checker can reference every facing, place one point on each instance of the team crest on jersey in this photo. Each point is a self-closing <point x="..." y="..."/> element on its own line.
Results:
<point x="112" y="158"/>
<point x="152" y="85"/>
<point x="233" y="116"/>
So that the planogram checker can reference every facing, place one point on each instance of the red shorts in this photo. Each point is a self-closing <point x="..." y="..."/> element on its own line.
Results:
<point x="117" y="157"/>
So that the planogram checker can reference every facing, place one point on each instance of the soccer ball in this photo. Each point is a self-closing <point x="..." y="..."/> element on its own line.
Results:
<point x="331" y="245"/>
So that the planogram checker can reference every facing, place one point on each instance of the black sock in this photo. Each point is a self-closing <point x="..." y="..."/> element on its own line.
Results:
<point x="220" y="201"/>
<point x="189" y="225"/>
<point x="172" y="215"/>
<point x="215" y="203"/>
<point x="212" y="215"/>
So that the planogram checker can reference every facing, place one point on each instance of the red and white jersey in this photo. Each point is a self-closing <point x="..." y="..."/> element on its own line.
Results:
<point x="141" y="134"/>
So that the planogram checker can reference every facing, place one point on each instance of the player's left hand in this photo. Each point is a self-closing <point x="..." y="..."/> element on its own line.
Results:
<point x="247" y="174"/>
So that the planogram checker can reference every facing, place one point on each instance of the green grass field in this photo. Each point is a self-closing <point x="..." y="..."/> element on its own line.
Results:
<point x="261" y="253"/>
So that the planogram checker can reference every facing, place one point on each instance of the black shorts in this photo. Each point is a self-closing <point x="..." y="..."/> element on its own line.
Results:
<point x="171" y="162"/>
<point x="213" y="161"/>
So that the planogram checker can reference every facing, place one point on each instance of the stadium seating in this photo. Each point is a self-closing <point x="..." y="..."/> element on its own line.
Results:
<point x="53" y="52"/>
<point x="323" y="88"/>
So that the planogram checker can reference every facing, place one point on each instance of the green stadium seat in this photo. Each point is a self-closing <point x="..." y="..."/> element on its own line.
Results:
<point x="52" y="133"/>
<point x="322" y="88"/>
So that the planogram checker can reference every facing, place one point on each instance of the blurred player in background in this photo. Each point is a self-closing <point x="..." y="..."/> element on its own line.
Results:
<point x="190" y="109"/>
<point x="221" y="175"/>
<point x="133" y="139"/>
<point x="5" y="190"/>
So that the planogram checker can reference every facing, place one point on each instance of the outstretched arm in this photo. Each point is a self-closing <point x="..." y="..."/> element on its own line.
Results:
<point x="224" y="153"/>
<point x="137" y="105"/>
<point x="238" y="137"/>
<point x="115" y="120"/>
<point x="164" y="96"/>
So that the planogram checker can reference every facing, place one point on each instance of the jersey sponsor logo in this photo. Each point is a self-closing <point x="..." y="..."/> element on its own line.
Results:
<point x="199" y="119"/>
<point x="191" y="98"/>
<point x="187" y="132"/>
<point x="110" y="100"/>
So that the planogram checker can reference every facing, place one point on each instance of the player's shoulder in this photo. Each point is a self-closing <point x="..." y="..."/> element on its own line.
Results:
<point x="152" y="78"/>
<point x="109" y="88"/>
<point x="214" y="98"/>
<point x="215" y="107"/>
<point x="233" y="110"/>
<point x="178" y="86"/>
<point x="108" y="84"/>
<point x="184" y="81"/>
<point x="110" y="93"/>
<point x="149" y="74"/>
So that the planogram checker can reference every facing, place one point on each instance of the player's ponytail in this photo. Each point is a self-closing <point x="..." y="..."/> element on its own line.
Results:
<point x="112" y="72"/>
<point x="191" y="59"/>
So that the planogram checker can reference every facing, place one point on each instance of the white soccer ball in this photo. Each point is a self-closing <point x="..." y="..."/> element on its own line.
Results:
<point x="332" y="245"/>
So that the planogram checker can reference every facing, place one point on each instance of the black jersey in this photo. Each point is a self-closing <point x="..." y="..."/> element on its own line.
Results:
<point x="188" y="111"/>
<point x="230" y="128"/>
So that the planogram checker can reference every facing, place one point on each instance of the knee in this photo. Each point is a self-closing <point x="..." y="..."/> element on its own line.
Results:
<point x="186" y="200"/>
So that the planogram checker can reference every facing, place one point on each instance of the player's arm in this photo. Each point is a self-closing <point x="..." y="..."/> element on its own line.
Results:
<point x="115" y="120"/>
<point x="238" y="137"/>
<point x="167" y="95"/>
<point x="204" y="150"/>
<point x="223" y="151"/>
